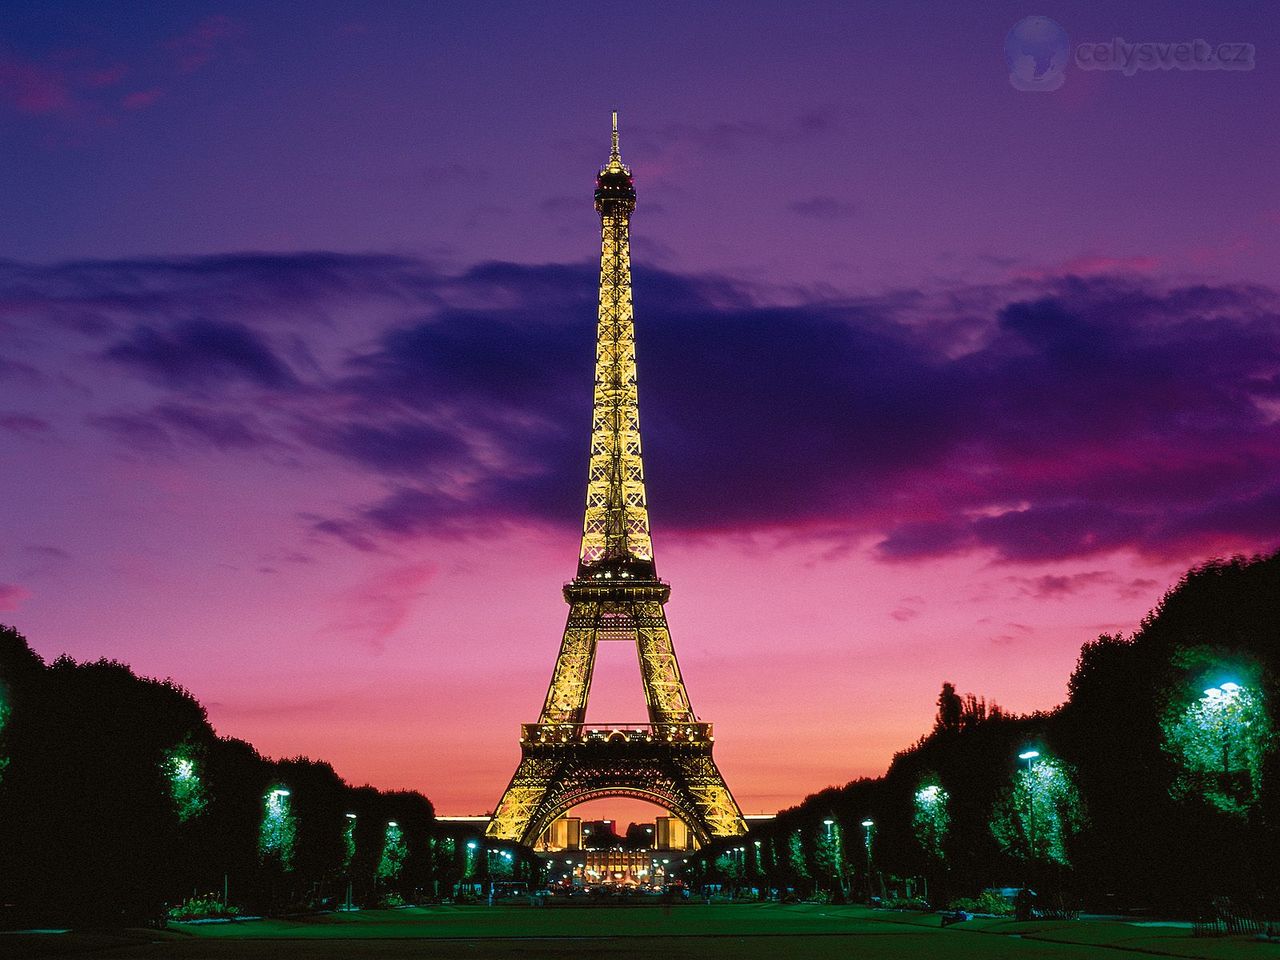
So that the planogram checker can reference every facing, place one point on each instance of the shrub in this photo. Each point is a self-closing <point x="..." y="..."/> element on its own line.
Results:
<point x="203" y="908"/>
<point x="988" y="902"/>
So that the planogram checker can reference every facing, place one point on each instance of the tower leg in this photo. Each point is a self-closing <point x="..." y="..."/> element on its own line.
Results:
<point x="523" y="797"/>
<point x="571" y="680"/>
<point x="711" y="796"/>
<point x="663" y="686"/>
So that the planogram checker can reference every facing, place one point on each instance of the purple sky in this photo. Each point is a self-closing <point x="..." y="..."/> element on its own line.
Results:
<point x="296" y="319"/>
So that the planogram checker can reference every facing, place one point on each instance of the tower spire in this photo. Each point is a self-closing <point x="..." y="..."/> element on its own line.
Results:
<point x="614" y="154"/>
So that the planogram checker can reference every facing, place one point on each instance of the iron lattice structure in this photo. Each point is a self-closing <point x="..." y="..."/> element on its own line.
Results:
<point x="616" y="595"/>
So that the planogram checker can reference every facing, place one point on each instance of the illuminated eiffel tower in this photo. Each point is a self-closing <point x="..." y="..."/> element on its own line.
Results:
<point x="616" y="596"/>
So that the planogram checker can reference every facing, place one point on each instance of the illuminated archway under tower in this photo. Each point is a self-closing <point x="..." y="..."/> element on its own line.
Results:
<point x="616" y="596"/>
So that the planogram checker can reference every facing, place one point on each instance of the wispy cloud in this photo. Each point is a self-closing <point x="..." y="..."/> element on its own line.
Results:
<point x="88" y="88"/>
<point x="202" y="352"/>
<point x="374" y="610"/>
<point x="204" y="42"/>
<point x="823" y="208"/>
<point x="1059" y="586"/>
<point x="12" y="596"/>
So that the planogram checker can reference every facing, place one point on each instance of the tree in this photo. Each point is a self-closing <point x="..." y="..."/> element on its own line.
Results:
<point x="950" y="709"/>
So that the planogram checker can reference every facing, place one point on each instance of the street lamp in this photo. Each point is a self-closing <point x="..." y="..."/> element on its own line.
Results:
<point x="868" y="825"/>
<point x="1221" y="699"/>
<point x="1030" y="756"/>
<point x="833" y="855"/>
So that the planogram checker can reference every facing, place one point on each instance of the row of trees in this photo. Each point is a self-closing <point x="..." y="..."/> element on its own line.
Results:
<point x="1155" y="785"/>
<point x="118" y="801"/>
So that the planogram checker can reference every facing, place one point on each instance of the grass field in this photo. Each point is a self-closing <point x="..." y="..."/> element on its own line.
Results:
<point x="746" y="931"/>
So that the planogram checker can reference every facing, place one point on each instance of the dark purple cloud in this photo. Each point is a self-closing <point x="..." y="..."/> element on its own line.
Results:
<point x="1055" y="586"/>
<point x="393" y="448"/>
<point x="24" y="424"/>
<point x="222" y="430"/>
<point x="157" y="430"/>
<point x="1036" y="421"/>
<point x="202" y="353"/>
<point x="136" y="431"/>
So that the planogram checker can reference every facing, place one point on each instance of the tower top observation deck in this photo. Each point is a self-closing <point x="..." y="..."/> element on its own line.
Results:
<point x="614" y="186"/>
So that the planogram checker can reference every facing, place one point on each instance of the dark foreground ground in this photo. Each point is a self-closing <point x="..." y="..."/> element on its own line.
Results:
<point x="740" y="931"/>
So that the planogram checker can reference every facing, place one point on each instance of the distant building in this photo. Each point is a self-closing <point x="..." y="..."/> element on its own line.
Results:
<point x="564" y="834"/>
<point x="622" y="867"/>
<point x="671" y="833"/>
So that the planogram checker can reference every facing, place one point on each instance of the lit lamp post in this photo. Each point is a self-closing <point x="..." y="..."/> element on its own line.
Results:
<point x="1030" y="756"/>
<point x="831" y="854"/>
<point x="349" y="840"/>
<point x="469" y="865"/>
<point x="868" y="826"/>
<point x="490" y="853"/>
<point x="1219" y="702"/>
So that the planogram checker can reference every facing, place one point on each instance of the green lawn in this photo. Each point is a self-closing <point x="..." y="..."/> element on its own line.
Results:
<point x="745" y="931"/>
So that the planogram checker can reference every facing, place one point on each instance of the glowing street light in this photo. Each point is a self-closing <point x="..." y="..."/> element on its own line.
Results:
<point x="1220" y="700"/>
<point x="868" y="825"/>
<point x="1030" y="756"/>
<point x="276" y="835"/>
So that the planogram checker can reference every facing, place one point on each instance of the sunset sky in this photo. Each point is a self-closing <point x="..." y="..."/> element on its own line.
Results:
<point x="938" y="378"/>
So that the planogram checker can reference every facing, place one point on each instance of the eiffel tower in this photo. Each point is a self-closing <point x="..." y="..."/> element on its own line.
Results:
<point x="616" y="595"/>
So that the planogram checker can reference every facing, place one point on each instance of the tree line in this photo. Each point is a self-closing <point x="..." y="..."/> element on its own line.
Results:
<point x="119" y="803"/>
<point x="1155" y="785"/>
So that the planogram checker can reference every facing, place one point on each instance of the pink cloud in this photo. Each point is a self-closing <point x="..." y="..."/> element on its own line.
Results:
<point x="141" y="99"/>
<point x="107" y="76"/>
<point x="1090" y="265"/>
<point x="12" y="596"/>
<point x="35" y="88"/>
<point x="76" y="85"/>
<point x="204" y="42"/>
<point x="372" y="611"/>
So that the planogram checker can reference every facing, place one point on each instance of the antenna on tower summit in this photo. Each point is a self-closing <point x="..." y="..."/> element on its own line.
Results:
<point x="614" y="154"/>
